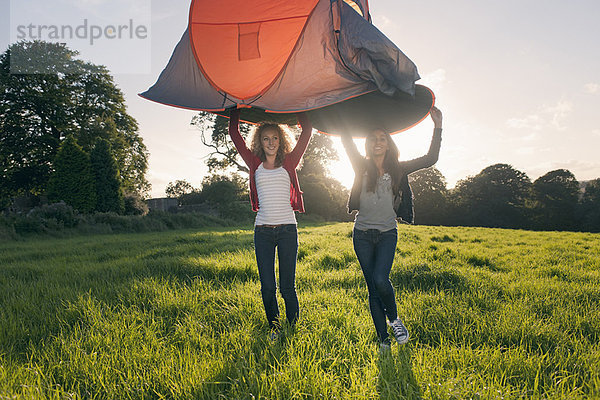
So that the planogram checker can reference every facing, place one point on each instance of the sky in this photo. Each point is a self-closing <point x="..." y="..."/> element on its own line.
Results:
<point x="518" y="82"/>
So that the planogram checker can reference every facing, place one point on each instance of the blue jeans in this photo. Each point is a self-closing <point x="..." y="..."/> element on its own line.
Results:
<point x="285" y="239"/>
<point x="375" y="252"/>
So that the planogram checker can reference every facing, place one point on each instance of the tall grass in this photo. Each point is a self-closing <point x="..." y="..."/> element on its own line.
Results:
<point x="492" y="314"/>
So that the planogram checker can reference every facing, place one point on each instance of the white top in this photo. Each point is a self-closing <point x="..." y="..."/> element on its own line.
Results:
<point x="274" y="206"/>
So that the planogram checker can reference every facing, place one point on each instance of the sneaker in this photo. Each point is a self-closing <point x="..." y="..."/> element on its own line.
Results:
<point x="400" y="331"/>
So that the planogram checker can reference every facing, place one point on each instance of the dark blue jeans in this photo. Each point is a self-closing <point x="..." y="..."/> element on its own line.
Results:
<point x="375" y="252"/>
<point x="285" y="239"/>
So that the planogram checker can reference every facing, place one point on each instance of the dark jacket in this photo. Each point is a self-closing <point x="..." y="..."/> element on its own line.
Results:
<point x="403" y="198"/>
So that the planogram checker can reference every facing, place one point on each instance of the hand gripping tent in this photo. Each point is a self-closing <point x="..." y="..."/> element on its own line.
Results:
<point x="273" y="58"/>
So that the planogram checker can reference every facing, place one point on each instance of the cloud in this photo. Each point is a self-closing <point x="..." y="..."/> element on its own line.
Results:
<point x="533" y="121"/>
<point x="111" y="9"/>
<point x="545" y="118"/>
<point x="435" y="79"/>
<point x="527" y="150"/>
<point x="382" y="21"/>
<point x="531" y="137"/>
<point x="583" y="170"/>
<point x="592" y="88"/>
<point x="559" y="113"/>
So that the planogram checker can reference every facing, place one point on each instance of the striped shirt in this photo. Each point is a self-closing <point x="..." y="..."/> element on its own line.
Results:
<point x="273" y="187"/>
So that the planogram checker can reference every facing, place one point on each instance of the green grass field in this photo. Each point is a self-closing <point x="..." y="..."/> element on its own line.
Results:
<point x="493" y="314"/>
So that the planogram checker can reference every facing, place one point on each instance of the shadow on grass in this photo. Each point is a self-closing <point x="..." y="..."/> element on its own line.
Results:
<point x="484" y="262"/>
<point x="423" y="278"/>
<point x="186" y="271"/>
<point x="396" y="378"/>
<point x="243" y="371"/>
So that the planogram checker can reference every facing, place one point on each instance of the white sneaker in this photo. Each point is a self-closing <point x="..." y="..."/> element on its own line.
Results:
<point x="400" y="332"/>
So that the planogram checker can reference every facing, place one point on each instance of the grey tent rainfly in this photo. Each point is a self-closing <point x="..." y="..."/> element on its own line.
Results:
<point x="273" y="58"/>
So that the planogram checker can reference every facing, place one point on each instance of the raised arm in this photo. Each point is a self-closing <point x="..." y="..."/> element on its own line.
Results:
<point x="355" y="157"/>
<point x="236" y="137"/>
<point x="432" y="155"/>
<point x="295" y="155"/>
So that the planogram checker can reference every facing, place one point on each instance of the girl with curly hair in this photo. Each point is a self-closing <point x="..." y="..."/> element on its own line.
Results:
<point x="274" y="194"/>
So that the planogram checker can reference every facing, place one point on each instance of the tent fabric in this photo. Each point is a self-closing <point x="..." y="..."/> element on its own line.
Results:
<point x="337" y="56"/>
<point x="373" y="57"/>
<point x="357" y="116"/>
<point x="361" y="6"/>
<point x="257" y="39"/>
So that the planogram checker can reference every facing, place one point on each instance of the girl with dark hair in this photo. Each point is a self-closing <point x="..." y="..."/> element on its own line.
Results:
<point x="379" y="193"/>
<point x="274" y="194"/>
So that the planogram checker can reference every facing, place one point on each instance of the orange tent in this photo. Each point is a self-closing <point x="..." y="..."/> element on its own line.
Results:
<point x="274" y="58"/>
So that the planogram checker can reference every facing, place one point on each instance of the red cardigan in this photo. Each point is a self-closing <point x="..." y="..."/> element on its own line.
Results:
<point x="290" y="161"/>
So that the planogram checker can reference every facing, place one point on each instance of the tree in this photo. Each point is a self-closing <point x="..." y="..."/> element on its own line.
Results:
<point x="430" y="193"/>
<point x="223" y="155"/>
<point x="178" y="188"/>
<point x="72" y="180"/>
<point x="318" y="156"/>
<point x="222" y="188"/>
<point x="323" y="195"/>
<point x="109" y="194"/>
<point x="555" y="200"/>
<point x="590" y="207"/>
<point x="65" y="96"/>
<point x="228" y="194"/>
<point x="496" y="197"/>
<point x="126" y="146"/>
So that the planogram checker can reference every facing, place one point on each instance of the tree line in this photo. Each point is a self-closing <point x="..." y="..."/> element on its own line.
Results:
<point x="499" y="196"/>
<point x="65" y="134"/>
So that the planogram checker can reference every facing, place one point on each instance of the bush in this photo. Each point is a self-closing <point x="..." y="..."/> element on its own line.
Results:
<point x="239" y="211"/>
<point x="192" y="198"/>
<point x="126" y="224"/>
<point x="60" y="220"/>
<point x="188" y="220"/>
<point x="7" y="229"/>
<point x="134" y="204"/>
<point x="60" y="213"/>
<point x="42" y="219"/>
<point x="24" y="225"/>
